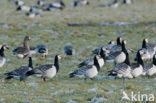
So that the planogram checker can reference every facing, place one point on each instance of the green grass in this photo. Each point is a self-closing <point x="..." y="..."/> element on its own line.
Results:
<point x="55" y="33"/>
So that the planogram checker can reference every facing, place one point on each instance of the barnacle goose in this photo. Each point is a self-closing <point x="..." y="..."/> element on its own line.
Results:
<point x="108" y="47"/>
<point x="127" y="1"/>
<point x="23" y="8"/>
<point x="22" y="52"/>
<point x="77" y="2"/>
<point x="45" y="71"/>
<point x="2" y="55"/>
<point x="19" y="2"/>
<point x="53" y="6"/>
<point x="90" y="61"/>
<point x="137" y="68"/>
<point x="68" y="50"/>
<point x="33" y="15"/>
<point x="122" y="70"/>
<point x="40" y="2"/>
<point x="119" y="56"/>
<point x="118" y="45"/>
<point x="114" y="4"/>
<point x="148" y="51"/>
<point x="88" y="71"/>
<point x="39" y="49"/>
<point x="150" y="68"/>
<point x="21" y="71"/>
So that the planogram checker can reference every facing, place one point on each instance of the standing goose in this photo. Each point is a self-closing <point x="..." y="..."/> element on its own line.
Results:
<point x="2" y="55"/>
<point x="119" y="56"/>
<point x="88" y="71"/>
<point x="90" y="61"/>
<point x="22" y="52"/>
<point x="137" y="68"/>
<point x="18" y="73"/>
<point x="150" y="68"/>
<point x="45" y="71"/>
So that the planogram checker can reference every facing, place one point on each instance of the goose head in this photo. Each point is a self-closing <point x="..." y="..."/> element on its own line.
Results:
<point x="119" y="41"/>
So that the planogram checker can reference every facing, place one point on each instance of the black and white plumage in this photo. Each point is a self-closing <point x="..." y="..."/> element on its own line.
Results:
<point x="21" y="71"/>
<point x="118" y="46"/>
<point x="108" y="47"/>
<point x="23" y="8"/>
<point x="19" y="2"/>
<point x="122" y="70"/>
<point x="2" y="55"/>
<point x="59" y="5"/>
<point x="150" y="68"/>
<point x="148" y="51"/>
<point x="127" y="1"/>
<point x="119" y="56"/>
<point x="88" y="71"/>
<point x="40" y="2"/>
<point x="137" y="68"/>
<point x="39" y="50"/>
<point x="45" y="71"/>
<point x="90" y="61"/>
<point x="22" y="52"/>
<point x="68" y="50"/>
<point x="33" y="15"/>
<point x="114" y="4"/>
<point x="78" y="2"/>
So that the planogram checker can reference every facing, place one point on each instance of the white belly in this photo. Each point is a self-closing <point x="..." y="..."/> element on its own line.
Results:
<point x="50" y="73"/>
<point x="121" y="58"/>
<point x="90" y="73"/>
<point x="2" y="62"/>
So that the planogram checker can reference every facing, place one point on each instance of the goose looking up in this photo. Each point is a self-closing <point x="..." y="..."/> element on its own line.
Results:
<point x="2" y="55"/>
<point x="88" y="71"/>
<point x="22" y="52"/>
<point x="21" y="71"/>
<point x="45" y="71"/>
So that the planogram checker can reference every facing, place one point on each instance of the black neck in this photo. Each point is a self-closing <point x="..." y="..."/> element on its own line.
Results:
<point x="102" y="54"/>
<point x="144" y="44"/>
<point x="139" y="59"/>
<point x="2" y="52"/>
<point x="30" y="62"/>
<point x="96" y="63"/>
<point x="127" y="59"/>
<point x="118" y="41"/>
<point x="56" y="63"/>
<point x="123" y="47"/>
<point x="154" y="60"/>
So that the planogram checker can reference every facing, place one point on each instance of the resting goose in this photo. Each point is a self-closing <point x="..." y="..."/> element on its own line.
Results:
<point x="40" y="2"/>
<point x="22" y="52"/>
<point x="118" y="46"/>
<point x="77" y="2"/>
<point x="33" y="15"/>
<point x="122" y="70"/>
<point x="127" y="1"/>
<point x="2" y="55"/>
<point x="137" y="68"/>
<point x="59" y="5"/>
<point x="39" y="49"/>
<point x="19" y="2"/>
<point x="45" y="71"/>
<point x="114" y="4"/>
<point x="108" y="47"/>
<point x="89" y="71"/>
<point x="68" y="50"/>
<point x="90" y="61"/>
<point x="23" y="8"/>
<point x="119" y="56"/>
<point x="21" y="71"/>
<point x="150" y="68"/>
